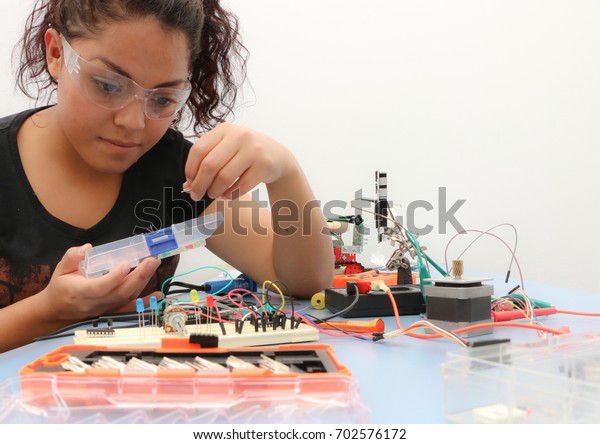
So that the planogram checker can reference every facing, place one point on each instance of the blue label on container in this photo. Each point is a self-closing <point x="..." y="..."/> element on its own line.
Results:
<point x="161" y="241"/>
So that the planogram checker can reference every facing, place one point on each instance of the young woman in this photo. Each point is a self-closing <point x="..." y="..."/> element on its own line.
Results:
<point x="105" y="161"/>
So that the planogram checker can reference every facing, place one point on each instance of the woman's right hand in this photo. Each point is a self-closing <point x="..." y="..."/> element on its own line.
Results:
<point x="70" y="296"/>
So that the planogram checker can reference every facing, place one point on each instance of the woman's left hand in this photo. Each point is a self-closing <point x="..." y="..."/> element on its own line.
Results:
<point x="230" y="160"/>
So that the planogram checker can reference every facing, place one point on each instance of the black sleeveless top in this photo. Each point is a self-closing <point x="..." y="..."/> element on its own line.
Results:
<point x="32" y="241"/>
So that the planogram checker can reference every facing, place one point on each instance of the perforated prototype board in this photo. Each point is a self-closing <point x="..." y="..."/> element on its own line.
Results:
<point x="152" y="336"/>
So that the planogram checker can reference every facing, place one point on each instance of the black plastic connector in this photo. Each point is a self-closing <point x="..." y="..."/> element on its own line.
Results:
<point x="205" y="340"/>
<point x="100" y="331"/>
<point x="486" y="342"/>
<point x="378" y="337"/>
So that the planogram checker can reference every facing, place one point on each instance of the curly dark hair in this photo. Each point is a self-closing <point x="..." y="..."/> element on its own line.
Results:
<point x="217" y="61"/>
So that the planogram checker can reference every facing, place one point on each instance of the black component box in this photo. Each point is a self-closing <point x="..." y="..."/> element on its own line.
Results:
<point x="409" y="301"/>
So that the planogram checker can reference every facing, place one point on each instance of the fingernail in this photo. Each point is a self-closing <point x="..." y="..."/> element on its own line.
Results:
<point x="194" y="196"/>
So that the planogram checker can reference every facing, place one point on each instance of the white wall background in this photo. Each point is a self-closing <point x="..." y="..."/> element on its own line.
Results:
<point x="497" y="101"/>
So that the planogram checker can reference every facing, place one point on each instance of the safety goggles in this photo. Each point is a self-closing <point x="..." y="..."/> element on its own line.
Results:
<point x="113" y="91"/>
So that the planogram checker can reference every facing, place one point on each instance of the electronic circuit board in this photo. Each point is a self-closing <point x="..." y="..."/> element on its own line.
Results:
<point x="224" y="333"/>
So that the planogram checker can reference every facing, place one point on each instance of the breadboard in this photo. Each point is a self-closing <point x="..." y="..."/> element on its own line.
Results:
<point x="152" y="336"/>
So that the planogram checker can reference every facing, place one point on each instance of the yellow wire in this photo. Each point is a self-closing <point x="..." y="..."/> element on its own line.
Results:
<point x="271" y="284"/>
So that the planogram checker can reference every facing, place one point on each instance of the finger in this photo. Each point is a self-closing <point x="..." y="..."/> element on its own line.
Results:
<point x="105" y="285"/>
<point x="198" y="152"/>
<point x="244" y="184"/>
<point x="132" y="285"/>
<point x="229" y="175"/>
<point x="71" y="259"/>
<point x="211" y="170"/>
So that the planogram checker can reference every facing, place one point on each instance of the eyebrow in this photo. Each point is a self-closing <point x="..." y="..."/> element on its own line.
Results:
<point x="121" y="71"/>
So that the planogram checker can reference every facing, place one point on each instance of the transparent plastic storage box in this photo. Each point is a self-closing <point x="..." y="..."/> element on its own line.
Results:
<point x="160" y="244"/>
<point x="317" y="388"/>
<point x="554" y="380"/>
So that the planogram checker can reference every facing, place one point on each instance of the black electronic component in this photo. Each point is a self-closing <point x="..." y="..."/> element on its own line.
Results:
<point x="381" y="204"/>
<point x="205" y="340"/>
<point x="459" y="309"/>
<point x="454" y="302"/>
<point x="404" y="272"/>
<point x="409" y="301"/>
<point x="100" y="331"/>
<point x="486" y="342"/>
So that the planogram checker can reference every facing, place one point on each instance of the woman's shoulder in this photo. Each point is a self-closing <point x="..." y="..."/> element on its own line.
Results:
<point x="15" y="120"/>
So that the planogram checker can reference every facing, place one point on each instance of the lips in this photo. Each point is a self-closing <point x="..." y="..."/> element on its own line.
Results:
<point x="121" y="143"/>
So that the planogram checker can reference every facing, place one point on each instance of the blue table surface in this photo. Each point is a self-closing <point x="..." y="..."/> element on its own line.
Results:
<point x="400" y="380"/>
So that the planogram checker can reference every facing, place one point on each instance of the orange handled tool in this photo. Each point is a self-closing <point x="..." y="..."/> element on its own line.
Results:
<point x="374" y="326"/>
<point x="504" y="316"/>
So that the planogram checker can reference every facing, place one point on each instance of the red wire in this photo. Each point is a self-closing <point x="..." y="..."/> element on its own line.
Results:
<point x="470" y="327"/>
<point x="577" y="313"/>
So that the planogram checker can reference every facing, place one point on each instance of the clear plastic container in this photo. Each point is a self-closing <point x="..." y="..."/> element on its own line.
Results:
<point x="317" y="388"/>
<point x="218" y="400"/>
<point x="555" y="380"/>
<point x="163" y="243"/>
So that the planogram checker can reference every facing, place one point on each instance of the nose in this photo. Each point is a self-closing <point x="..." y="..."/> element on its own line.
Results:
<point x="132" y="116"/>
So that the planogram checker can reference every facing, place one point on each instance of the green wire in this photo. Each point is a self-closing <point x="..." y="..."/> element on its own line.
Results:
<point x="421" y="264"/>
<point x="436" y="266"/>
<point x="208" y="267"/>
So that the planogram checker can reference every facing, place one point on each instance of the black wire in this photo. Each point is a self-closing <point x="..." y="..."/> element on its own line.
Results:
<point x="53" y="336"/>
<point x="71" y="333"/>
<point x="345" y="310"/>
<point x="118" y="317"/>
<point x="131" y="316"/>
<point x="335" y="327"/>
<point x="186" y="285"/>
<point x="174" y="292"/>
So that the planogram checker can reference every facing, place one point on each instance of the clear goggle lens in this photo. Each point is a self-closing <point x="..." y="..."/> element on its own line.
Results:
<point x="114" y="91"/>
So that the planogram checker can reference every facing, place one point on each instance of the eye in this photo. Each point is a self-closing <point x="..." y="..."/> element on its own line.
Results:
<point x="108" y="87"/>
<point x="163" y="101"/>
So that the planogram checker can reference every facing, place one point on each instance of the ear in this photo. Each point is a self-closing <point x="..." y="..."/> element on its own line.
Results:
<point x="54" y="52"/>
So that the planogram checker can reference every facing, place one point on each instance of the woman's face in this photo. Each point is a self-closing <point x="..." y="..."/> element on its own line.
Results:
<point x="110" y="141"/>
